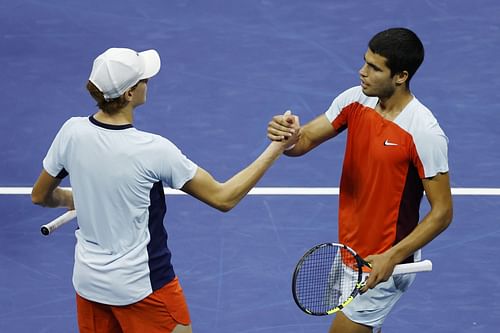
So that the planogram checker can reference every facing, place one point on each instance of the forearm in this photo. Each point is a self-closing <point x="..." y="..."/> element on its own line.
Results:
<point x="312" y="135"/>
<point x="383" y="264"/>
<point x="57" y="198"/>
<point x="46" y="192"/>
<point x="233" y="190"/>
<point x="438" y="194"/>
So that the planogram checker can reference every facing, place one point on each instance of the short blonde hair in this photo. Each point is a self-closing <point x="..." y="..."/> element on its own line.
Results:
<point x="111" y="106"/>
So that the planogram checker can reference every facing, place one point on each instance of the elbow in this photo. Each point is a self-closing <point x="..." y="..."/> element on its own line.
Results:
<point x="224" y="206"/>
<point x="446" y="217"/>
<point x="37" y="199"/>
<point x="449" y="217"/>
<point x="224" y="201"/>
<point x="226" y="197"/>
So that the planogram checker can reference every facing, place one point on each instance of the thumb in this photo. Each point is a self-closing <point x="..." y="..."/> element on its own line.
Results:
<point x="296" y="121"/>
<point x="368" y="258"/>
<point x="288" y="117"/>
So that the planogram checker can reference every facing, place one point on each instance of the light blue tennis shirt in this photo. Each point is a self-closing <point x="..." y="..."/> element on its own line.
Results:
<point x="117" y="175"/>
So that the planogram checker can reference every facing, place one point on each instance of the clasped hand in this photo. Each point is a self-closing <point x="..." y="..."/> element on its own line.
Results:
<point x="284" y="127"/>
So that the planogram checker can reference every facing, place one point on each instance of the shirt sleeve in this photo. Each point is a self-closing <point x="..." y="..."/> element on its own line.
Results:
<point x="338" y="112"/>
<point x="432" y="153"/>
<point x="175" y="168"/>
<point x="55" y="159"/>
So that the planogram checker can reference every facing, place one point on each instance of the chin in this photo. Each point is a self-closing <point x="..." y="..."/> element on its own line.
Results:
<point x="367" y="92"/>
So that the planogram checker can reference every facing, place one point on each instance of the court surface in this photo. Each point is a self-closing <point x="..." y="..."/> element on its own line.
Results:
<point x="228" y="67"/>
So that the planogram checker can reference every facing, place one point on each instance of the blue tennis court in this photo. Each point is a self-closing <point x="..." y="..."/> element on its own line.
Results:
<point x="227" y="68"/>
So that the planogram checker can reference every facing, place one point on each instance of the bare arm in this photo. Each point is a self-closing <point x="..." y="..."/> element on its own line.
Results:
<point x="46" y="192"/>
<point x="438" y="194"/>
<point x="311" y="135"/>
<point x="224" y="196"/>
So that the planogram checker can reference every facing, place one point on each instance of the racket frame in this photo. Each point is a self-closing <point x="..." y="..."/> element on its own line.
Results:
<point x="420" y="266"/>
<point x="360" y="263"/>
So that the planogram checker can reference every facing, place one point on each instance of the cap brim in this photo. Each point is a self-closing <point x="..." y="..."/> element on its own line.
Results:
<point x="152" y="63"/>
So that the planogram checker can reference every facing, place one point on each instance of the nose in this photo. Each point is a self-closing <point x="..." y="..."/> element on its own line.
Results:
<point x="362" y="70"/>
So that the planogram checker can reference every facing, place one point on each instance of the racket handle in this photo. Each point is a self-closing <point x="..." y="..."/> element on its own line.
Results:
<point x="48" y="228"/>
<point x="420" y="266"/>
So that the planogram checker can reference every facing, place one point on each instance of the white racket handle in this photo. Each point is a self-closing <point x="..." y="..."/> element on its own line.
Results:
<point x="47" y="229"/>
<point x="420" y="266"/>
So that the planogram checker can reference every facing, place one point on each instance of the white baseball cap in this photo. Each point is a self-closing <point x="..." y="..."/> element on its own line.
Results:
<point x="118" y="69"/>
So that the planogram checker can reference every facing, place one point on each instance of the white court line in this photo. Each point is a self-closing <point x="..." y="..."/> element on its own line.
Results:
<point x="287" y="191"/>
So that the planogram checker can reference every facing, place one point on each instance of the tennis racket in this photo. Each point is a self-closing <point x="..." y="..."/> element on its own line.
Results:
<point x="329" y="276"/>
<point x="48" y="228"/>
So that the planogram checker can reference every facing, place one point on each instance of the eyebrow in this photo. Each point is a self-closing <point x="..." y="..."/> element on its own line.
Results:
<point x="371" y="64"/>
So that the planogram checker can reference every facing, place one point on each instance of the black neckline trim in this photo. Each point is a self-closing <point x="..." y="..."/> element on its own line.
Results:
<point x="109" y="126"/>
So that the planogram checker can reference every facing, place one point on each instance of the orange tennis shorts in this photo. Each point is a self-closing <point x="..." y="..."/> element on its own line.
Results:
<point x="161" y="312"/>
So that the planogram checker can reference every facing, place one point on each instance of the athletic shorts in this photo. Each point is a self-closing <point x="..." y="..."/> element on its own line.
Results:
<point x="372" y="307"/>
<point x="161" y="312"/>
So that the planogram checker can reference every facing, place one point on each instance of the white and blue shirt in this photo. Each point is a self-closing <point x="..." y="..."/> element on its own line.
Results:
<point x="117" y="175"/>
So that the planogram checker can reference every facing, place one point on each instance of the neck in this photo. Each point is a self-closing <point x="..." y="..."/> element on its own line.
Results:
<point x="123" y="117"/>
<point x="396" y="102"/>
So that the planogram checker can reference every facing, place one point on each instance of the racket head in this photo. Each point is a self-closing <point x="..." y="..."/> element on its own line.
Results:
<point x="326" y="279"/>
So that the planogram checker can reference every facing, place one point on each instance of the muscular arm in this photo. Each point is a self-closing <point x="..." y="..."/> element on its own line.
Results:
<point x="46" y="192"/>
<point x="311" y="135"/>
<point x="224" y="196"/>
<point x="438" y="194"/>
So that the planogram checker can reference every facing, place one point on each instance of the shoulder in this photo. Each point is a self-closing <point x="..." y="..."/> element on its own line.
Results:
<point x="72" y="126"/>
<point x="355" y="94"/>
<point x="429" y="139"/>
<point x="351" y="96"/>
<point x="156" y="141"/>
<point x="350" y="100"/>
<point x="421" y="122"/>
<point x="75" y="121"/>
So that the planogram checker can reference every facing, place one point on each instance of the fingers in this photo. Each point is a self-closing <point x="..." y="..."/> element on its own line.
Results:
<point x="369" y="283"/>
<point x="277" y="132"/>
<point x="381" y="271"/>
<point x="282" y="126"/>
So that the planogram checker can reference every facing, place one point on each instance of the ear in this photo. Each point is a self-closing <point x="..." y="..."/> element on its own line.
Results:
<point x="129" y="94"/>
<point x="401" y="78"/>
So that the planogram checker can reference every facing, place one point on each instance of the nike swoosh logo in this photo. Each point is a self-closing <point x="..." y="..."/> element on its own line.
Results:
<point x="387" y="143"/>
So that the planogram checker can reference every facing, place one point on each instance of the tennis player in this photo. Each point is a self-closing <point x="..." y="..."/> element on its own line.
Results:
<point x="123" y="276"/>
<point x="395" y="150"/>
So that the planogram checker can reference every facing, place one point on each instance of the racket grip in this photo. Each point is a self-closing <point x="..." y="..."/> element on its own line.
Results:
<point x="420" y="266"/>
<point x="48" y="228"/>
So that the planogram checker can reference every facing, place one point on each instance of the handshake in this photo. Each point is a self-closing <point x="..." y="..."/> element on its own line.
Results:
<point x="285" y="129"/>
